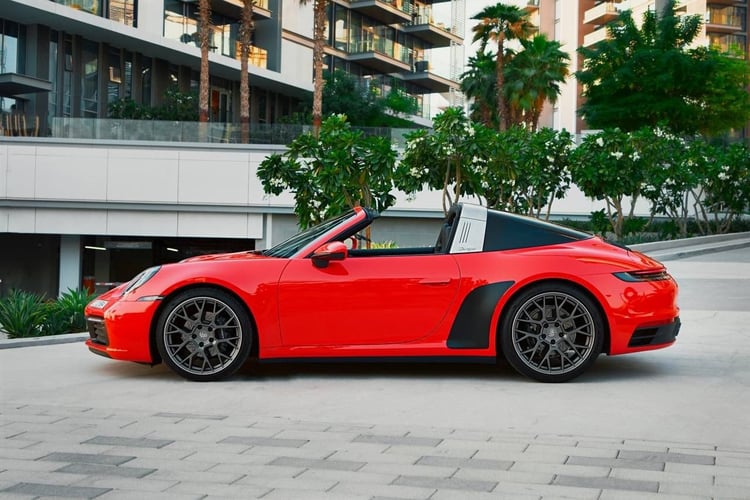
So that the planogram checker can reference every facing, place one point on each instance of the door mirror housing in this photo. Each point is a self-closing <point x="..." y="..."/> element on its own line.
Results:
<point x="334" y="250"/>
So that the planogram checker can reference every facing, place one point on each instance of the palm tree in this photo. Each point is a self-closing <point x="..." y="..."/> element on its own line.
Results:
<point x="245" y="36"/>
<point x="501" y="22"/>
<point x="534" y="75"/>
<point x="319" y="26"/>
<point x="204" y="36"/>
<point x="478" y="83"/>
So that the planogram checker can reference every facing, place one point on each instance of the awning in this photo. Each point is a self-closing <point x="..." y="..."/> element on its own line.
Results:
<point x="14" y="84"/>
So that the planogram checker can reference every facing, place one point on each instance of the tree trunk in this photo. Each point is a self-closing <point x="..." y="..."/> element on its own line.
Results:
<point x="500" y="76"/>
<point x="246" y="31"/>
<point x="204" y="36"/>
<point x="318" y="46"/>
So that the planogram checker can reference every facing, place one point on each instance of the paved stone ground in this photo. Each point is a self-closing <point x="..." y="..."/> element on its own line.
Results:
<point x="53" y="451"/>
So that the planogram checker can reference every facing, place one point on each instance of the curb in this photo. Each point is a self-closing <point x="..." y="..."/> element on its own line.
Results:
<point x="67" y="338"/>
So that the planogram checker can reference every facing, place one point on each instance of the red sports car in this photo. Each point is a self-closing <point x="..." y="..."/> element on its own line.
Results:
<point x="546" y="298"/>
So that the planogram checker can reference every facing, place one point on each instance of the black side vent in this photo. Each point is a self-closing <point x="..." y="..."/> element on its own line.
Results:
<point x="642" y="337"/>
<point x="655" y="335"/>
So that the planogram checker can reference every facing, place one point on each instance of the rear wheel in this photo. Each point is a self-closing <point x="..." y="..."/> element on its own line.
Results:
<point x="204" y="334"/>
<point x="552" y="332"/>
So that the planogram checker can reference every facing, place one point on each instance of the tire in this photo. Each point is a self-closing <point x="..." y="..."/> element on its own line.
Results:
<point x="204" y="334"/>
<point x="552" y="332"/>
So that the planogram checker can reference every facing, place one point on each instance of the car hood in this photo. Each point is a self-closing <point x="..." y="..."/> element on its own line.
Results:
<point x="247" y="255"/>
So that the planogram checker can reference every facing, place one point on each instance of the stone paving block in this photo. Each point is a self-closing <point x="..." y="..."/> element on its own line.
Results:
<point x="27" y="465"/>
<point x="318" y="464"/>
<point x="264" y="441"/>
<point x="327" y="437"/>
<point x="220" y="490"/>
<point x="420" y="451"/>
<point x="469" y="435"/>
<point x="18" y="443"/>
<point x="129" y="442"/>
<point x="217" y="457"/>
<point x="708" y="469"/>
<point x="171" y="464"/>
<point x="572" y="450"/>
<point x="397" y="440"/>
<point x="273" y="451"/>
<point x="515" y="456"/>
<point x="641" y="495"/>
<point x="355" y="428"/>
<point x="694" y="449"/>
<point x="208" y="476"/>
<point x="358" y="477"/>
<point x="54" y="490"/>
<point x="379" y="491"/>
<point x="606" y="483"/>
<point x="552" y="440"/>
<point x="573" y="470"/>
<point x="503" y="476"/>
<point x="442" y="461"/>
<point x="181" y="416"/>
<point x="409" y="470"/>
<point x="739" y="492"/>
<point x="616" y="462"/>
<point x="20" y="476"/>
<point x="454" y="443"/>
<point x="259" y="470"/>
<point x="636" y="444"/>
<point x="291" y="425"/>
<point x="723" y="461"/>
<point x="733" y="481"/>
<point x="170" y="452"/>
<point x="287" y="494"/>
<point x="138" y="495"/>
<point x="662" y="477"/>
<point x="682" y="458"/>
<point x="142" y="485"/>
<point x="87" y="458"/>
<point x="308" y="486"/>
<point x="105" y="470"/>
<point x="453" y="483"/>
<point x="373" y="457"/>
<point x="495" y="495"/>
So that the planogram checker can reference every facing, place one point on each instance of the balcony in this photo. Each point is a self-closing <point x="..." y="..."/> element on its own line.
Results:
<point x="532" y="6"/>
<point x="601" y="14"/>
<point x="595" y="37"/>
<point x="380" y="54"/>
<point x="427" y="81"/>
<point x="436" y="34"/>
<point x="385" y="11"/>
<point x="233" y="8"/>
<point x="724" y="21"/>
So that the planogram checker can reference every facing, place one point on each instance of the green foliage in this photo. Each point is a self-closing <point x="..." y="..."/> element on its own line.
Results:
<point x="727" y="187"/>
<point x="26" y="314"/>
<point x="327" y="175"/>
<point x="650" y="76"/>
<point x="448" y="158"/>
<point x="22" y="314"/>
<point x="479" y="84"/>
<point x="176" y="106"/>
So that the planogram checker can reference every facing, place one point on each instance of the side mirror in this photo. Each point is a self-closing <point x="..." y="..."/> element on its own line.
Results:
<point x="334" y="250"/>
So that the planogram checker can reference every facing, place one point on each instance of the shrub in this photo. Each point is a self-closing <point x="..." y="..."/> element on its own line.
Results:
<point x="22" y="314"/>
<point x="26" y="314"/>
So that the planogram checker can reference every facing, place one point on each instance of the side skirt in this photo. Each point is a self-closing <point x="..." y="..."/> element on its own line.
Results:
<point x="469" y="360"/>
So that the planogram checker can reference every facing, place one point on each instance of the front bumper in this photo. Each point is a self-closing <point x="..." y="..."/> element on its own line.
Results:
<point x="123" y="331"/>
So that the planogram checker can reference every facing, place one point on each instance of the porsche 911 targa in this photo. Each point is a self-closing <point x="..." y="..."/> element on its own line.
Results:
<point x="546" y="298"/>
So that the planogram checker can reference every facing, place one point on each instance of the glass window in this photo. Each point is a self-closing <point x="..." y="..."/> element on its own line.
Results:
<point x="115" y="77"/>
<point x="89" y="79"/>
<point x="53" y="67"/>
<point x="146" y="81"/>
<point x="68" y="76"/>
<point x="123" y="11"/>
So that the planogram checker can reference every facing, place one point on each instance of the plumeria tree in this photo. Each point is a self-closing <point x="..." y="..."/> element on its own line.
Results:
<point x="727" y="188"/>
<point x="608" y="166"/>
<point x="446" y="158"/>
<point x="340" y="169"/>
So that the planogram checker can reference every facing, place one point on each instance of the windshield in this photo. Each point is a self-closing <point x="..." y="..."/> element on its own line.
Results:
<point x="293" y="245"/>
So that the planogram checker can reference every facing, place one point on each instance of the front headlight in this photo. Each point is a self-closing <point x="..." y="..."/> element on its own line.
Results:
<point x="142" y="278"/>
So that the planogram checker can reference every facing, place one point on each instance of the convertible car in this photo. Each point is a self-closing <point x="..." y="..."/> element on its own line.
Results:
<point x="495" y="285"/>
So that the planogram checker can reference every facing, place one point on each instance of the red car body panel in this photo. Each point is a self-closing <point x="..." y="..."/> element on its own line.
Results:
<point x="387" y="305"/>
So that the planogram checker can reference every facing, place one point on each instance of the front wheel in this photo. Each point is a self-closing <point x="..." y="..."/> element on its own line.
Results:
<point x="552" y="332"/>
<point x="204" y="334"/>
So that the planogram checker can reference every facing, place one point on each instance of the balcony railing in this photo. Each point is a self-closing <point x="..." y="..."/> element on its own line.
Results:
<point x="108" y="129"/>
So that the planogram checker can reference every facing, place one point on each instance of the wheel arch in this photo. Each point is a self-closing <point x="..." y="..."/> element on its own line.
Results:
<point x="551" y="281"/>
<point x="156" y="357"/>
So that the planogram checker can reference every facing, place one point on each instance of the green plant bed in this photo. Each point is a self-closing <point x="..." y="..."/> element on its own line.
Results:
<point x="26" y="314"/>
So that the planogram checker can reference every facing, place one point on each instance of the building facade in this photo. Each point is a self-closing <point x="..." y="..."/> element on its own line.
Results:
<point x="93" y="211"/>
<point x="583" y="23"/>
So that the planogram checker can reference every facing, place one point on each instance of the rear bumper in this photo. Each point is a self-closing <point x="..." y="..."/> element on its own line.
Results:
<point x="655" y="335"/>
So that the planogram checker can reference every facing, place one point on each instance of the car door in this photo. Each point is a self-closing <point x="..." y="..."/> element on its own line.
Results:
<point x="365" y="300"/>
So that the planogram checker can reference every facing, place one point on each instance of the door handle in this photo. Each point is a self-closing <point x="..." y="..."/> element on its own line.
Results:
<point x="435" y="281"/>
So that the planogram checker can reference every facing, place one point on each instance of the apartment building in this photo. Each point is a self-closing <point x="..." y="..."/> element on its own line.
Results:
<point x="583" y="23"/>
<point x="96" y="210"/>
